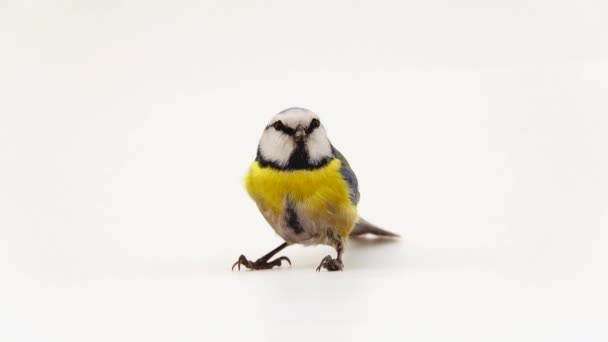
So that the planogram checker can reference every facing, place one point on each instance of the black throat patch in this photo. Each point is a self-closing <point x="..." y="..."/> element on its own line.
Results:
<point x="299" y="160"/>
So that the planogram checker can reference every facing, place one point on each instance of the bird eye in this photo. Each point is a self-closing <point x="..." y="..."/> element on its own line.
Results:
<point x="278" y="125"/>
<point x="314" y="124"/>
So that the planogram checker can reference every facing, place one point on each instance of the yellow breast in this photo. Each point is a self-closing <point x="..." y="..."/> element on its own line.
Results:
<point x="323" y="192"/>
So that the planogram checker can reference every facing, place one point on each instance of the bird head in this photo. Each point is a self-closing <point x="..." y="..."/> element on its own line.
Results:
<point x="294" y="139"/>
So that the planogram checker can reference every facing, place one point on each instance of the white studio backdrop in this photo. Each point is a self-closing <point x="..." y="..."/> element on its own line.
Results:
<point x="478" y="131"/>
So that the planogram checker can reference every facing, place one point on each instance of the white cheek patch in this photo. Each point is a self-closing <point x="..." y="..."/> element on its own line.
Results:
<point x="276" y="147"/>
<point x="318" y="145"/>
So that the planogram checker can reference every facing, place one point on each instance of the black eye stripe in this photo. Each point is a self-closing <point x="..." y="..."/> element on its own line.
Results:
<point x="280" y="127"/>
<point x="314" y="124"/>
<point x="287" y="130"/>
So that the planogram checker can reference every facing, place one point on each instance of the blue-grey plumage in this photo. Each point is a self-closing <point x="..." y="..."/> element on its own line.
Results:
<point x="363" y="226"/>
<point x="349" y="176"/>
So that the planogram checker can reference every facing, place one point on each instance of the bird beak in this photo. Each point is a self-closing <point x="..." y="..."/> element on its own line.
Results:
<point x="300" y="133"/>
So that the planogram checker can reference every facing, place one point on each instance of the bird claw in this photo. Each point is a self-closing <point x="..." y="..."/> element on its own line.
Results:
<point x="331" y="264"/>
<point x="259" y="264"/>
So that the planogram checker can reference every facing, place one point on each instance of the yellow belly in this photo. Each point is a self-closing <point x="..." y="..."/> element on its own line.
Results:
<point x="322" y="193"/>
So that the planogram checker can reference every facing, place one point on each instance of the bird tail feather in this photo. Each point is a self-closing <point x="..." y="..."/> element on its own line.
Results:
<point x="364" y="227"/>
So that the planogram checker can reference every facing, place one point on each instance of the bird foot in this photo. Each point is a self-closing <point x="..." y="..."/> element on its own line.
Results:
<point x="260" y="264"/>
<point x="331" y="264"/>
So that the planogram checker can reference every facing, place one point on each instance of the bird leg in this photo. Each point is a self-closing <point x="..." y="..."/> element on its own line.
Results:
<point x="263" y="263"/>
<point x="333" y="264"/>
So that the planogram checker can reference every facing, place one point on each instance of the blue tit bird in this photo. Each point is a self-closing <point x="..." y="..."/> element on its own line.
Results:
<point x="305" y="189"/>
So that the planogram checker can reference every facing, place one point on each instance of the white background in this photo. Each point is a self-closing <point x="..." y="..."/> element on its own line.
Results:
<point x="478" y="130"/>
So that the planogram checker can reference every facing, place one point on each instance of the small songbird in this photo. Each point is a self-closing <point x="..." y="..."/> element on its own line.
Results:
<point x="305" y="189"/>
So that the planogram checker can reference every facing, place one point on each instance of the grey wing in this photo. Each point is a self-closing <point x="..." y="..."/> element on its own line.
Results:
<point x="349" y="176"/>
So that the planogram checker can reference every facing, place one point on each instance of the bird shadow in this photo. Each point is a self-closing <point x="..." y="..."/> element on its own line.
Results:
<point x="361" y="242"/>
<point x="374" y="252"/>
